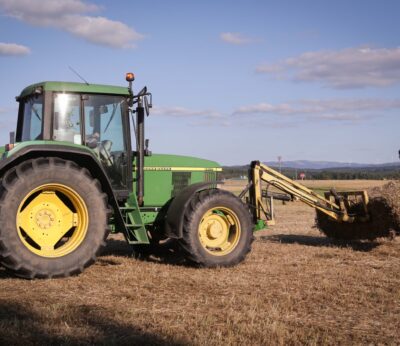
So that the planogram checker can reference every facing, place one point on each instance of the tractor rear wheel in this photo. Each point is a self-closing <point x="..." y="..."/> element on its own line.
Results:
<point x="217" y="229"/>
<point x="53" y="218"/>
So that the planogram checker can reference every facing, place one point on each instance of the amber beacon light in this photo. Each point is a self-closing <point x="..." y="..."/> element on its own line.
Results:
<point x="130" y="77"/>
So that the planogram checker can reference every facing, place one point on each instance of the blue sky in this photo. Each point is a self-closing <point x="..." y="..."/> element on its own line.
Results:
<point x="232" y="81"/>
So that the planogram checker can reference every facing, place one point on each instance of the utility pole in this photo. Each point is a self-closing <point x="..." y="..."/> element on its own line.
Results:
<point x="280" y="163"/>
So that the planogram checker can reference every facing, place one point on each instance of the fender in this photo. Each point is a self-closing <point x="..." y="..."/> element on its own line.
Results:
<point x="83" y="156"/>
<point x="176" y="211"/>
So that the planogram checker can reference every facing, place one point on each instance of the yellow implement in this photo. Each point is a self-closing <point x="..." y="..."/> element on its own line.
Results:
<point x="349" y="206"/>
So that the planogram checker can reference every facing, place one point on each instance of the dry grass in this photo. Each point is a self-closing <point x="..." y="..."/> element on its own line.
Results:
<point x="295" y="287"/>
<point x="343" y="184"/>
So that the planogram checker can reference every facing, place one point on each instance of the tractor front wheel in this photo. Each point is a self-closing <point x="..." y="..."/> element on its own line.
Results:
<point x="217" y="229"/>
<point x="53" y="218"/>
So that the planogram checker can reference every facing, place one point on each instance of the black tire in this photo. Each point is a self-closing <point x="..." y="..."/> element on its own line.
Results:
<point x="194" y="251"/>
<point x="17" y="184"/>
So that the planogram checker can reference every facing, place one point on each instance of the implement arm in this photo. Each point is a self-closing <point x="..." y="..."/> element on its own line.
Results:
<point x="338" y="206"/>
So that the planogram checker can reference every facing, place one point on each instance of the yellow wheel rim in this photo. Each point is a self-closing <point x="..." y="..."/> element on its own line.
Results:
<point x="52" y="220"/>
<point x="219" y="231"/>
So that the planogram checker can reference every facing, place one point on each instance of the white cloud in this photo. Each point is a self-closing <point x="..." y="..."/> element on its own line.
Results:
<point x="192" y="117"/>
<point x="185" y="112"/>
<point x="102" y="31"/>
<point x="71" y="16"/>
<point x="348" y="68"/>
<point x="341" y="110"/>
<point x="13" y="49"/>
<point x="285" y="115"/>
<point x="32" y="10"/>
<point x="235" y="38"/>
<point x="211" y="123"/>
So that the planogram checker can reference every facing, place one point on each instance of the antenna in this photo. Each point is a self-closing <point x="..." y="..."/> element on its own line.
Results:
<point x="280" y="163"/>
<point x="86" y="82"/>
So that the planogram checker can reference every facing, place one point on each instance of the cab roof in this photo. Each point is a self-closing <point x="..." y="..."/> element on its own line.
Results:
<point x="76" y="87"/>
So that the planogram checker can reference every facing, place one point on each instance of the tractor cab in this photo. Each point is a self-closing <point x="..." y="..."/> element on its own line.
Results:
<point x="90" y="115"/>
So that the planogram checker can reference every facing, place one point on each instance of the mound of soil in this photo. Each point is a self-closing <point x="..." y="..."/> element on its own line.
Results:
<point x="384" y="210"/>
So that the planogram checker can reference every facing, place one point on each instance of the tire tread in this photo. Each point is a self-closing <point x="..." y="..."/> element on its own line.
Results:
<point x="9" y="258"/>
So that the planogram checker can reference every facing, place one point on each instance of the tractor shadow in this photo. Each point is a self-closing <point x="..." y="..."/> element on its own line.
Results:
<point x="5" y="274"/>
<point x="306" y="240"/>
<point x="165" y="253"/>
<point x="93" y="325"/>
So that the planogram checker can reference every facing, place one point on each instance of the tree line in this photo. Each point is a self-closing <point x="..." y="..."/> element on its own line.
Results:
<point x="345" y="173"/>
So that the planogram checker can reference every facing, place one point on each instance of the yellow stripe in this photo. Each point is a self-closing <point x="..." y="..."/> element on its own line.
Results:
<point x="183" y="169"/>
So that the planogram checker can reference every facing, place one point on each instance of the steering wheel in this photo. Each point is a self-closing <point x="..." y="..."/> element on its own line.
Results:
<point x="105" y="152"/>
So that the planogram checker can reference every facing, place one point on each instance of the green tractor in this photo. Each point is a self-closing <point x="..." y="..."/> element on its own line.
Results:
<point x="72" y="173"/>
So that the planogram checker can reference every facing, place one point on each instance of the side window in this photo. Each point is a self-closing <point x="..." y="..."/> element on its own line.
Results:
<point x="67" y="120"/>
<point x="103" y="120"/>
<point x="33" y="119"/>
<point x="104" y="133"/>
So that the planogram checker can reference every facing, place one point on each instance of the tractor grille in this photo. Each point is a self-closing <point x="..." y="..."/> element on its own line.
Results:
<point x="179" y="181"/>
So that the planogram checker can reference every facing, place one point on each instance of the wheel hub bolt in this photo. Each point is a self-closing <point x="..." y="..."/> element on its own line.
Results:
<point x="214" y="230"/>
<point x="45" y="219"/>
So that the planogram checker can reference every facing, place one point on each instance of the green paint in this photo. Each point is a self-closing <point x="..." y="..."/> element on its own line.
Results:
<point x="148" y="217"/>
<point x="260" y="225"/>
<point x="134" y="222"/>
<point x="158" y="183"/>
<point x="164" y="160"/>
<point x="49" y="144"/>
<point x="76" y="88"/>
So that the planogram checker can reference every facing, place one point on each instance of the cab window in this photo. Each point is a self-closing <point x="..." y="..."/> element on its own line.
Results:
<point x="32" y="122"/>
<point x="67" y="120"/>
<point x="104" y="133"/>
<point x="103" y="120"/>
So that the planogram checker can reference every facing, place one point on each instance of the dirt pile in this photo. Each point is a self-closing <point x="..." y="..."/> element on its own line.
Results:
<point x="384" y="210"/>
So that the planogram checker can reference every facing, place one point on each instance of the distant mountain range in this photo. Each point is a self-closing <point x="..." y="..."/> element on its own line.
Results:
<point x="306" y="164"/>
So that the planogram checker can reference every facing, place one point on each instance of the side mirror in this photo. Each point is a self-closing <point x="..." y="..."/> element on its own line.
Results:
<point x="146" y="105"/>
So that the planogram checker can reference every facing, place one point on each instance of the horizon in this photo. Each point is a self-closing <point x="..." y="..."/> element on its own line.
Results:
<point x="332" y="163"/>
<point x="231" y="82"/>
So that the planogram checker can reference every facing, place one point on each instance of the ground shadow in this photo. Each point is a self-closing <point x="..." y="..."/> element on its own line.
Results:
<point x="363" y="246"/>
<point x="117" y="248"/>
<point x="86" y="325"/>
<point x="166" y="253"/>
<point x="5" y="274"/>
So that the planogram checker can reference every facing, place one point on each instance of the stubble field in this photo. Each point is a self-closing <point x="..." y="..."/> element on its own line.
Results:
<point x="296" y="286"/>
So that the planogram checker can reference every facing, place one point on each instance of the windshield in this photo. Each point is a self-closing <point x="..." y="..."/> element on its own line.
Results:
<point x="32" y="122"/>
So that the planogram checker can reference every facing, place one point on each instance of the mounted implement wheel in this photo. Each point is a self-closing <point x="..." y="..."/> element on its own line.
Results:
<point x="54" y="219"/>
<point x="217" y="229"/>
